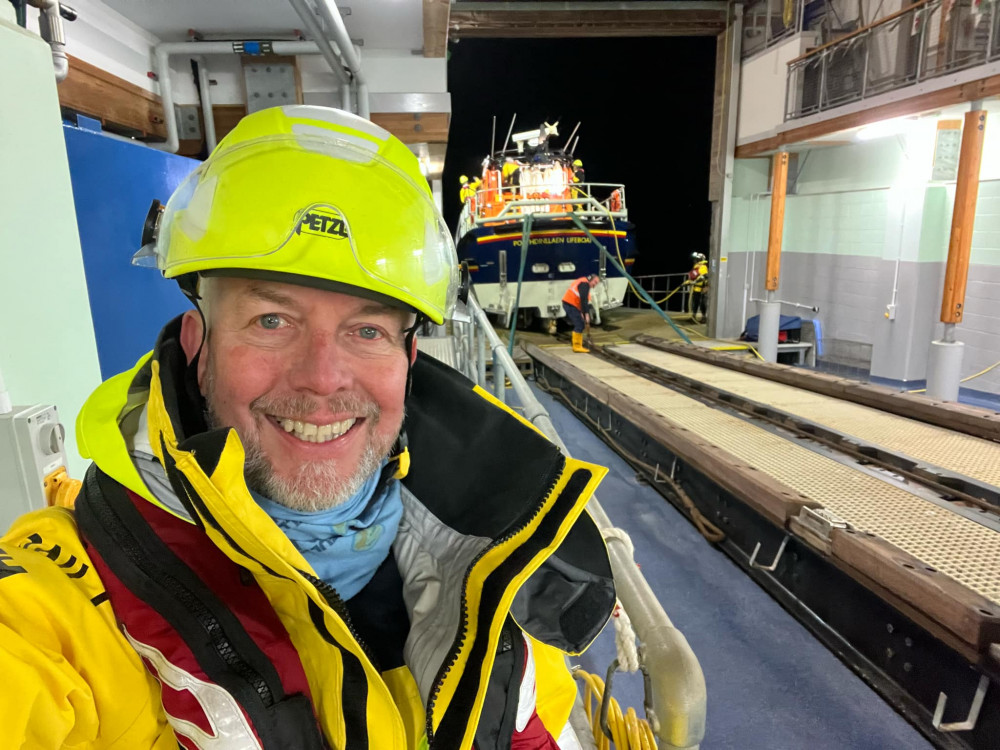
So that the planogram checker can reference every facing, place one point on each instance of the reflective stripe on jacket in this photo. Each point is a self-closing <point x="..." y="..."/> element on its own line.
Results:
<point x="478" y="547"/>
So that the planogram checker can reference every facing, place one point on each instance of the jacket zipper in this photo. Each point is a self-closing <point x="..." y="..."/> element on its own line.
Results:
<point x="209" y="623"/>
<point x="337" y="604"/>
<point x="552" y="481"/>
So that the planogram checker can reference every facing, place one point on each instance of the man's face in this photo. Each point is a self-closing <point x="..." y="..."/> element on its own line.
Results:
<point x="313" y="381"/>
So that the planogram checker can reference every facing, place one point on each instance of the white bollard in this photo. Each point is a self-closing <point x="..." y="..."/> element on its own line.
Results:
<point x="767" y="333"/>
<point x="944" y="370"/>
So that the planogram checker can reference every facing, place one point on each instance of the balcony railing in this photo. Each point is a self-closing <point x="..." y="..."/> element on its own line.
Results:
<point x="766" y="22"/>
<point x="921" y="42"/>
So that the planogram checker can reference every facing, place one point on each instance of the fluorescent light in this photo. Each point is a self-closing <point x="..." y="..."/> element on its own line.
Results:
<point x="895" y="126"/>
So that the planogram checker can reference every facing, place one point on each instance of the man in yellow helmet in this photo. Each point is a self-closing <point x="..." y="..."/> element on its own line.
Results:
<point x="466" y="190"/>
<point x="698" y="278"/>
<point x="265" y="554"/>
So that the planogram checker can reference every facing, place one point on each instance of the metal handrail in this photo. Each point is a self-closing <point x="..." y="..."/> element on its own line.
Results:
<point x="842" y="70"/>
<point x="516" y="204"/>
<point x="660" y="285"/>
<point x="678" y="683"/>
<point x="757" y="22"/>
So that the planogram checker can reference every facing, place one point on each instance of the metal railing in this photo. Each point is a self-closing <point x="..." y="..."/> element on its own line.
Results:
<point x="589" y="200"/>
<point x="678" y="685"/>
<point x="667" y="289"/>
<point x="920" y="42"/>
<point x="767" y="22"/>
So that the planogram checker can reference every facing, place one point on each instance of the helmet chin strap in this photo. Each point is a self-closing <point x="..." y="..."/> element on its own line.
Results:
<point x="188" y="283"/>
<point x="408" y="347"/>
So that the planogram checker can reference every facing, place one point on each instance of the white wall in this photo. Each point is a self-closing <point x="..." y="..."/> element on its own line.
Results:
<point x="48" y="351"/>
<point x="864" y="221"/>
<point x="762" y="88"/>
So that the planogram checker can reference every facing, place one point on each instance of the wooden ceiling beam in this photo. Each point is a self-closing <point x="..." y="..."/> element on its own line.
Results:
<point x="419" y="127"/>
<point x="436" y="14"/>
<point x="557" y="23"/>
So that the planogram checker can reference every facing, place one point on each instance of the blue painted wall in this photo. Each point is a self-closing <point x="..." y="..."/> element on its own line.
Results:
<point x="114" y="182"/>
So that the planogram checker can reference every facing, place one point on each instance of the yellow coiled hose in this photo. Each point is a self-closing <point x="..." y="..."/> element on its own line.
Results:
<point x="628" y="731"/>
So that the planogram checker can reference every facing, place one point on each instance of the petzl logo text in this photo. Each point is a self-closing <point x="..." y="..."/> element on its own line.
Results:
<point x="323" y="222"/>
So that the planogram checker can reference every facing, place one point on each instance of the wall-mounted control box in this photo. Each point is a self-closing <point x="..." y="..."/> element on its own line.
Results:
<point x="31" y="448"/>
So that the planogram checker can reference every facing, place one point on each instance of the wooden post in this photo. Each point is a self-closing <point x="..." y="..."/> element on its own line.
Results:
<point x="779" y="186"/>
<point x="963" y="217"/>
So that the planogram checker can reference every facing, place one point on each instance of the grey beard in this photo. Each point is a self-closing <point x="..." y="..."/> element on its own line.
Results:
<point x="318" y="485"/>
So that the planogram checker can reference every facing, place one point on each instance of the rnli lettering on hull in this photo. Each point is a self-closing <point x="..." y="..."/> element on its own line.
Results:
<point x="553" y="241"/>
<point x="545" y="238"/>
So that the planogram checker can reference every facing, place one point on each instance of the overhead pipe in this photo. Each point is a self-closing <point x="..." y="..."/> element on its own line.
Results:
<point x="331" y="16"/>
<point x="364" y="105"/>
<point x="163" y="52"/>
<point x="51" y="30"/>
<point x="204" y="89"/>
<point x="333" y="59"/>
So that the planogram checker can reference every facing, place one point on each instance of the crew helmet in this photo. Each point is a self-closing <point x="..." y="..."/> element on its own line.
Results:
<point x="314" y="196"/>
<point x="697" y="256"/>
<point x="577" y="163"/>
<point x="463" y="179"/>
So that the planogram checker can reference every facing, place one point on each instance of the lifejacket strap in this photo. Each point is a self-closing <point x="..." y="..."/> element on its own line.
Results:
<point x="133" y="553"/>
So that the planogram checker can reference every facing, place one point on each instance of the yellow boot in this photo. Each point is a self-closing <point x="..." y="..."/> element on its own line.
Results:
<point x="578" y="343"/>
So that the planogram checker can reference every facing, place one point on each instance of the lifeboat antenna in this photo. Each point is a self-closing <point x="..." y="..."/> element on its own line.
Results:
<point x="572" y="150"/>
<point x="570" y="139"/>
<point x="509" y="131"/>
<point x="493" y="138"/>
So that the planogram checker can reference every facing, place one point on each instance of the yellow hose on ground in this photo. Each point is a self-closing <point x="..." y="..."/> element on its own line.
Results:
<point x="628" y="731"/>
<point x="685" y="283"/>
<point x="964" y="380"/>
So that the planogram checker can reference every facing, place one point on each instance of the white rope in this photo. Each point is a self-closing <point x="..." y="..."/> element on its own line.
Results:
<point x="628" y="654"/>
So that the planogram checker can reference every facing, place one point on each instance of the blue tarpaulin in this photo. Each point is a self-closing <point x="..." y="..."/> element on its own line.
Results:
<point x="788" y="323"/>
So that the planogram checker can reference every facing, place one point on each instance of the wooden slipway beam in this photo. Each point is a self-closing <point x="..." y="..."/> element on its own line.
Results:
<point x="964" y="620"/>
<point x="971" y="420"/>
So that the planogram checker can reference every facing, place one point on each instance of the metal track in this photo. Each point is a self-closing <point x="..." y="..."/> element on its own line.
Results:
<point x="943" y="539"/>
<point x="951" y="486"/>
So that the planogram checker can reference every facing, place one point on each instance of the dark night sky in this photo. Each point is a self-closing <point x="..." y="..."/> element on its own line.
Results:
<point x="646" y="109"/>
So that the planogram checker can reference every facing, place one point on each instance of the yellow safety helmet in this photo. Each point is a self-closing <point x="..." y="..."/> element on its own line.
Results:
<point x="577" y="163"/>
<point x="313" y="196"/>
<point x="463" y="179"/>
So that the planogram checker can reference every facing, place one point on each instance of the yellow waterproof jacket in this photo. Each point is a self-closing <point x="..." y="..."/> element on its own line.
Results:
<point x="494" y="531"/>
<point x="699" y="275"/>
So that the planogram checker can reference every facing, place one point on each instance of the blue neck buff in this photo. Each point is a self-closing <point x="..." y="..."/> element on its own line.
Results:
<point x="344" y="545"/>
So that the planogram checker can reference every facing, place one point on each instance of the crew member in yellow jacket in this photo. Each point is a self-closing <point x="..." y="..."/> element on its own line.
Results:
<point x="296" y="531"/>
